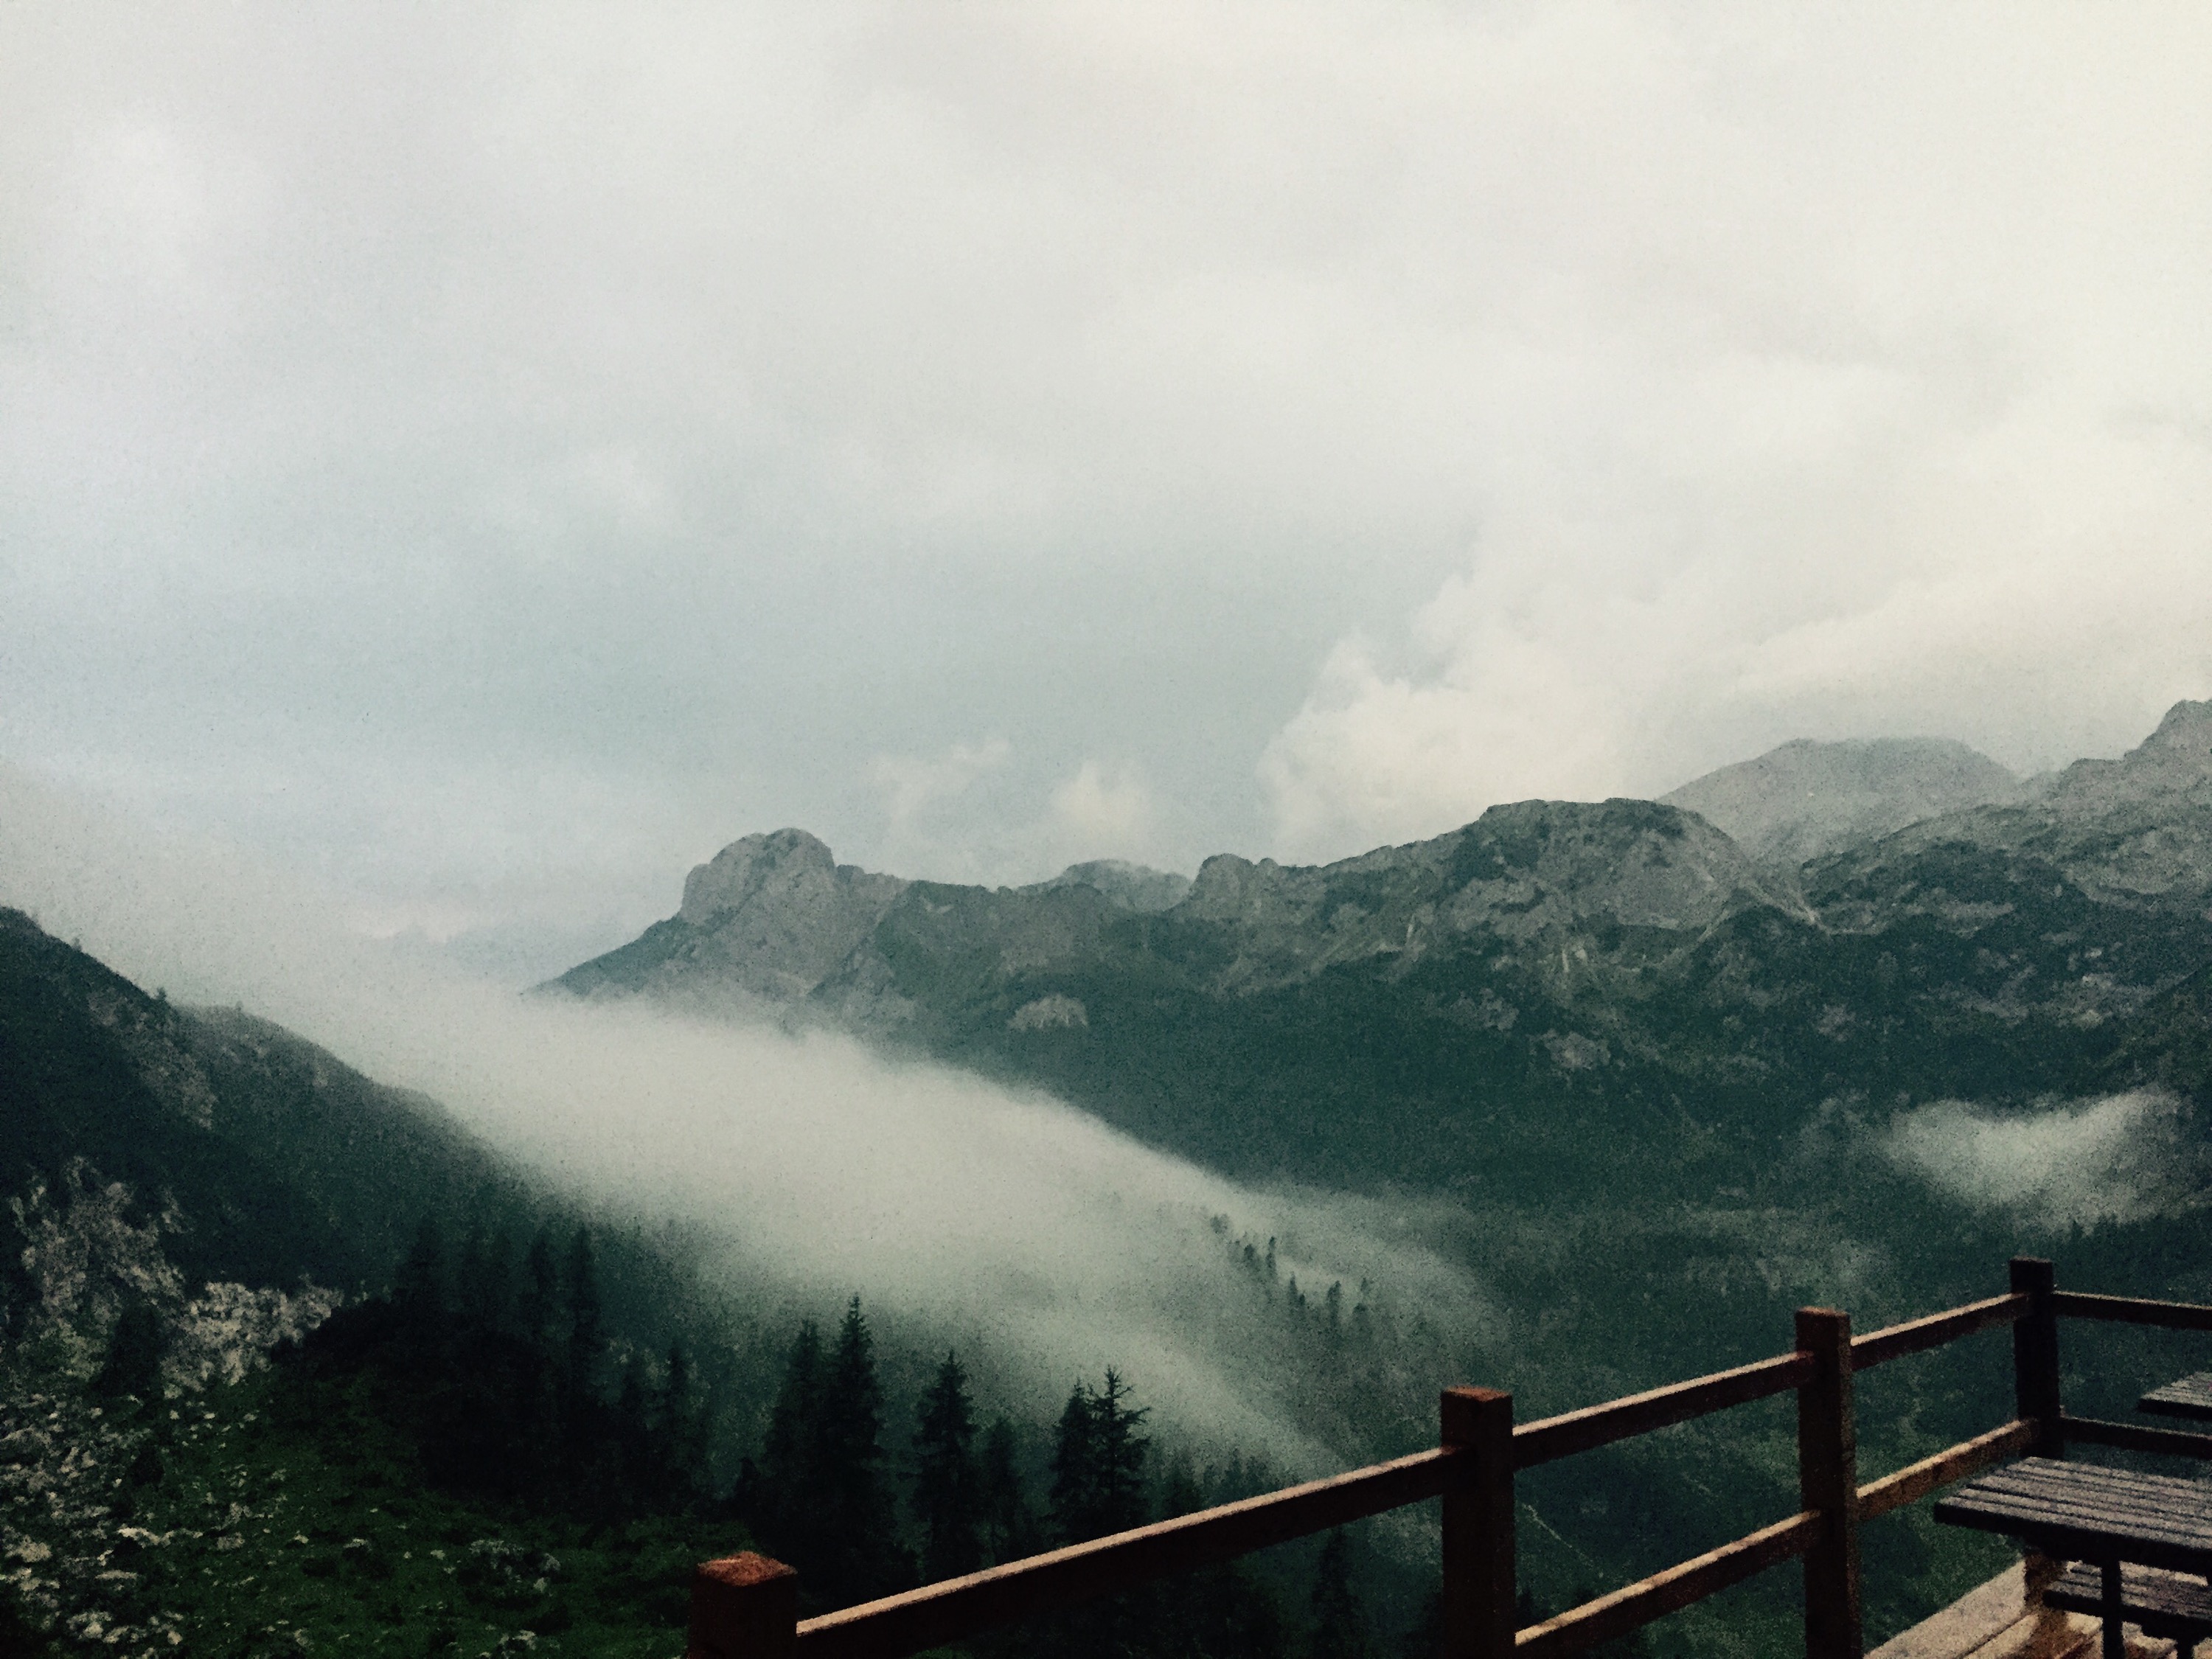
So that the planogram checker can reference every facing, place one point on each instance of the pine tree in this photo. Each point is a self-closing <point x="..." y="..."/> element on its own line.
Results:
<point x="1074" y="1466"/>
<point x="1340" y="1629"/>
<point x="865" y="1560"/>
<point x="946" y="1498"/>
<point x="1010" y="1525"/>
<point x="675" y="1425"/>
<point x="778" y="1492"/>
<point x="1121" y="1453"/>
<point x="817" y="1497"/>
<point x="541" y="1294"/>
<point x="1098" y="1463"/>
<point x="586" y="1336"/>
<point x="419" y="1290"/>
<point x="484" y="1290"/>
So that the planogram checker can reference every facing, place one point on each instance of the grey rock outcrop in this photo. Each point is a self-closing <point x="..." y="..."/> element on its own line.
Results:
<point x="2137" y="829"/>
<point x="766" y="921"/>
<point x="1521" y="874"/>
<point x="1806" y="799"/>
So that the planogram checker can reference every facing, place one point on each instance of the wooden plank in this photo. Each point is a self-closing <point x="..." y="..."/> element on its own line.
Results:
<point x="1918" y="1335"/>
<point x="2134" y="1310"/>
<point x="2088" y="1543"/>
<point x="2081" y="1510"/>
<point x="2136" y="1437"/>
<point x="2035" y="1352"/>
<point x="2187" y="1396"/>
<point x="1549" y="1438"/>
<point x="1969" y="1457"/>
<point x="1479" y="1569"/>
<point x="1828" y="1484"/>
<point x="1629" y="1609"/>
<point x="2164" y="1604"/>
<point x="958" y="1607"/>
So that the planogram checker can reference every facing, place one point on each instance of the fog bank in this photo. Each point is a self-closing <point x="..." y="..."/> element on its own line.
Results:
<point x="821" y="1168"/>
<point x="2122" y="1158"/>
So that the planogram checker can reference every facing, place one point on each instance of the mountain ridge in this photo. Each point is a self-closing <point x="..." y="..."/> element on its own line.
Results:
<point x="1553" y="983"/>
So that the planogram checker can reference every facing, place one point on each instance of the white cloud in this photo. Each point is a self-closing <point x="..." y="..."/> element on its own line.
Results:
<point x="916" y="785"/>
<point x="2125" y="1158"/>
<point x="968" y="814"/>
<point x="1109" y="809"/>
<point x="1445" y="403"/>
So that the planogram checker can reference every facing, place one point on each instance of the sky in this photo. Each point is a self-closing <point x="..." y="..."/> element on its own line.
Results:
<point x="482" y="460"/>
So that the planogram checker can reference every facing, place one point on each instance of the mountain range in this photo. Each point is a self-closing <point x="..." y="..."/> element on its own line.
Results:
<point x="1671" y="1067"/>
<point x="1557" y="986"/>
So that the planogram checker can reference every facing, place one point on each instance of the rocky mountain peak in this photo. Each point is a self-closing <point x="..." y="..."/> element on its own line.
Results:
<point x="742" y="872"/>
<point x="2178" y="755"/>
<point x="1807" y="798"/>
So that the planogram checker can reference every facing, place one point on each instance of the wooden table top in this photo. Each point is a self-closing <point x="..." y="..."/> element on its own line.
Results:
<point x="2086" y="1512"/>
<point x="2188" y="1396"/>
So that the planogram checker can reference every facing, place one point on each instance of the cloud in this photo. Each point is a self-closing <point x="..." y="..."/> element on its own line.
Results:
<point x="1110" y="811"/>
<point x="1426" y="406"/>
<point x="2125" y="1158"/>
<point x="915" y="785"/>
<point x="969" y="813"/>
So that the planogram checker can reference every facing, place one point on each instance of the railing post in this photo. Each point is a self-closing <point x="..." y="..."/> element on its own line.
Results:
<point x="1828" y="1481"/>
<point x="742" y="1607"/>
<point x="2035" y="1354"/>
<point x="1479" y="1563"/>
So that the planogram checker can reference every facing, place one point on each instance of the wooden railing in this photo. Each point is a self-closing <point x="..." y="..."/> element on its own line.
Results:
<point x="745" y="1606"/>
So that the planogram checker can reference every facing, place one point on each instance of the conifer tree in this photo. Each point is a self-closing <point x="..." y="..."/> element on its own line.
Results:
<point x="1074" y="1461"/>
<point x="1010" y="1526"/>
<point x="1098" y="1463"/>
<point x="580" y="1371"/>
<point x="419" y="1290"/>
<point x="777" y="1490"/>
<point x="675" y="1425"/>
<point x="484" y="1290"/>
<point x="541" y="1294"/>
<point x="867" y="1559"/>
<point x="1340" y="1628"/>
<point x="947" y="1495"/>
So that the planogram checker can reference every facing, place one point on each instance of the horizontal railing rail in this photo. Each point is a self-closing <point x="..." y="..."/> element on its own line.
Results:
<point x="1961" y="1461"/>
<point x="2135" y="1437"/>
<point x="942" y="1613"/>
<point x="1549" y="1438"/>
<point x="1918" y="1335"/>
<point x="1627" y="1610"/>
<point x="744" y="1607"/>
<point x="2133" y="1311"/>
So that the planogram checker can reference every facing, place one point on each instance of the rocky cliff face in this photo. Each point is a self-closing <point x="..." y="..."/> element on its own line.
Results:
<point x="1535" y="875"/>
<point x="2135" y="830"/>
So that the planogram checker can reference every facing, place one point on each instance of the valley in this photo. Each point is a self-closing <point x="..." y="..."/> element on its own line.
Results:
<point x="1647" y="1085"/>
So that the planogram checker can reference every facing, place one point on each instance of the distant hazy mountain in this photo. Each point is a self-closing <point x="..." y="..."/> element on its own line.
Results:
<point x="1807" y="800"/>
<point x="2136" y="830"/>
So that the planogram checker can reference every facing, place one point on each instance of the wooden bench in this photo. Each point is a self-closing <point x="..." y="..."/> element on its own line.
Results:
<point x="2166" y="1604"/>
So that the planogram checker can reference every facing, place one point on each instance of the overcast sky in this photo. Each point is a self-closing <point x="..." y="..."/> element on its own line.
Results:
<point x="485" y="459"/>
